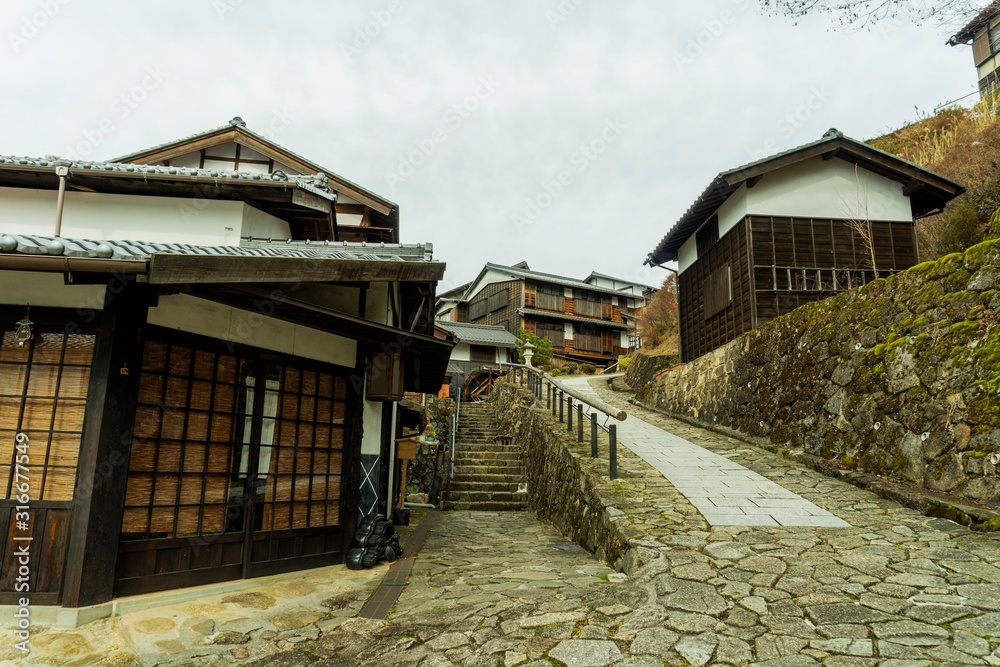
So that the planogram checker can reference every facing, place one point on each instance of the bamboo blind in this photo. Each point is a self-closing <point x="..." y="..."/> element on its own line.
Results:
<point x="43" y="392"/>
<point x="192" y="448"/>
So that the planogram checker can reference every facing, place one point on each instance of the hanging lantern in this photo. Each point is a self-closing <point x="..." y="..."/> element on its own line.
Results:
<point x="23" y="332"/>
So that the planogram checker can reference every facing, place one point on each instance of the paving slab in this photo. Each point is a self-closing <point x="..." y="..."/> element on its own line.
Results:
<point x="724" y="491"/>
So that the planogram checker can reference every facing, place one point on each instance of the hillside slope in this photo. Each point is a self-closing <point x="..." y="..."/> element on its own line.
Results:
<point x="964" y="145"/>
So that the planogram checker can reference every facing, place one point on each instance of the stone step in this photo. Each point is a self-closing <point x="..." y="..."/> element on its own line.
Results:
<point x="498" y="478"/>
<point x="480" y="491"/>
<point x="485" y="496"/>
<point x="483" y="447"/>
<point x="494" y="506"/>
<point x="496" y="468"/>
<point x="490" y="458"/>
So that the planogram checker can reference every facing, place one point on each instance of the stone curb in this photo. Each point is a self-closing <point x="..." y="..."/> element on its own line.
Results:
<point x="932" y="504"/>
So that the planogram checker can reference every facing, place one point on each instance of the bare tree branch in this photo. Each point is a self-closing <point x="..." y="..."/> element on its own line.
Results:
<point x="865" y="13"/>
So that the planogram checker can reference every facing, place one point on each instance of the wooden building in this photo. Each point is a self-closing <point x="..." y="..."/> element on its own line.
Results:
<point x="983" y="32"/>
<point x="479" y="356"/>
<point x="591" y="320"/>
<point x="204" y="375"/>
<point x="768" y="237"/>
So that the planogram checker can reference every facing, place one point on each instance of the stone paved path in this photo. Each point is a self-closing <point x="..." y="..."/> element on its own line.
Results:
<point x="725" y="492"/>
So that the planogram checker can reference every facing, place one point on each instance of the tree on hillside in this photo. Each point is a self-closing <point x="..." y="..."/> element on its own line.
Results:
<point x="543" y="348"/>
<point x="865" y="13"/>
<point x="660" y="317"/>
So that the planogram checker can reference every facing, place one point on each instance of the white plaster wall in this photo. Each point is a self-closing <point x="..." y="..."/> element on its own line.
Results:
<point x="732" y="211"/>
<point x="33" y="288"/>
<point x="815" y="188"/>
<point x="568" y="331"/>
<point x="624" y="339"/>
<point x="829" y="189"/>
<point x="98" y="216"/>
<point x="371" y="440"/>
<point x="489" y="278"/>
<point x="568" y="292"/>
<point x="461" y="352"/>
<point x="198" y="316"/>
<point x="377" y="304"/>
<point x="261" y="225"/>
<point x="687" y="255"/>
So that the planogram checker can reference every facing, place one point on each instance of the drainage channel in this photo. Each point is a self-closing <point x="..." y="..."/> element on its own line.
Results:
<point x="387" y="593"/>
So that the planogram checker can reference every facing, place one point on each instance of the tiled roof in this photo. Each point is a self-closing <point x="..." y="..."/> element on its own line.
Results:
<point x="240" y="125"/>
<point x="570" y="318"/>
<point x="479" y="334"/>
<point x="551" y="278"/>
<point x="132" y="250"/>
<point x="975" y="25"/>
<point x="595" y="274"/>
<point x="728" y="182"/>
<point x="317" y="183"/>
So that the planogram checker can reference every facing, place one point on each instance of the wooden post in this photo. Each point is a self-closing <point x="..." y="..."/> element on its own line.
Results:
<point x="99" y="496"/>
<point x="579" y="422"/>
<point x="561" y="407"/>
<point x="569" y="414"/>
<point x="406" y="451"/>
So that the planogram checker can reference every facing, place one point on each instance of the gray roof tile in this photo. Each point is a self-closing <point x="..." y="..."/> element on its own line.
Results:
<point x="479" y="334"/>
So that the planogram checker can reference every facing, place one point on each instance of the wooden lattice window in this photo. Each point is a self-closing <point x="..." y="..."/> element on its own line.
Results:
<point x="197" y="433"/>
<point x="300" y="471"/>
<point x="182" y="449"/>
<point x="43" y="394"/>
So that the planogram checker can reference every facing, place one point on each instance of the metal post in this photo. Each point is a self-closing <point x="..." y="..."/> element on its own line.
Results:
<point x="569" y="415"/>
<point x="613" y="450"/>
<point x="593" y="435"/>
<point x="561" y="405"/>
<point x="554" y="400"/>
<point x="579" y="422"/>
<point x="548" y="397"/>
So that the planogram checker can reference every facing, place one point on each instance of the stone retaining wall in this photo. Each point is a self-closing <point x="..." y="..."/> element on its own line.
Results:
<point x="565" y="485"/>
<point x="899" y="379"/>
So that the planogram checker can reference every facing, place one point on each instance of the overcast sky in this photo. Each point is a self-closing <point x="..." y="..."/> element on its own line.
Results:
<point x="568" y="133"/>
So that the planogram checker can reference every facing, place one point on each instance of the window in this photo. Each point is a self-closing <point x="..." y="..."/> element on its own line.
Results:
<point x="477" y="310"/>
<point x="498" y="301"/>
<point x="554" y="332"/>
<point x="551" y="297"/>
<point x="717" y="291"/>
<point x="587" y="304"/>
<point x="586" y="338"/>
<point x="994" y="37"/>
<point x="196" y="440"/>
<point x="483" y="354"/>
<point x="43" y="394"/>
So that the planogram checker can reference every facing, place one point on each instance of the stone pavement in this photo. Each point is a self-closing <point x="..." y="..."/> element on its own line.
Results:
<point x="725" y="492"/>
<point x="893" y="589"/>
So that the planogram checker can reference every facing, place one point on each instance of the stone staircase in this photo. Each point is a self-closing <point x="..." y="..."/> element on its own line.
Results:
<point x="487" y="472"/>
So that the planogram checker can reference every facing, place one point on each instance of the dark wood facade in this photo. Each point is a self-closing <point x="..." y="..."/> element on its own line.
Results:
<point x="767" y="266"/>
<point x="543" y="309"/>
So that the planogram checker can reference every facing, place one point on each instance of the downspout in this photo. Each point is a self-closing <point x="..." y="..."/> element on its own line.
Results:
<point x="62" y="171"/>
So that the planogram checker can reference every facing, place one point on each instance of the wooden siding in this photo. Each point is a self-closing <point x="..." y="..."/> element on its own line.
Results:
<point x="505" y="316"/>
<point x="801" y="260"/>
<point x="50" y="524"/>
<point x="701" y="334"/>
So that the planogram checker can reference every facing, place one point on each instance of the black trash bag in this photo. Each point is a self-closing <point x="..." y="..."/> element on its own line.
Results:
<point x="375" y="540"/>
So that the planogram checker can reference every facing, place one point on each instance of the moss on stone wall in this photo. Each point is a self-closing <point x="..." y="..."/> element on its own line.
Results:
<point x="900" y="378"/>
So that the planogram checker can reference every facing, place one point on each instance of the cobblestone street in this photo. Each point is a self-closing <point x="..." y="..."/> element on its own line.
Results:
<point x="893" y="589"/>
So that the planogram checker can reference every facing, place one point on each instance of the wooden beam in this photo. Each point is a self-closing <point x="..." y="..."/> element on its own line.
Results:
<point x="754" y="181"/>
<point x="170" y="269"/>
<point x="312" y="201"/>
<point x="224" y="136"/>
